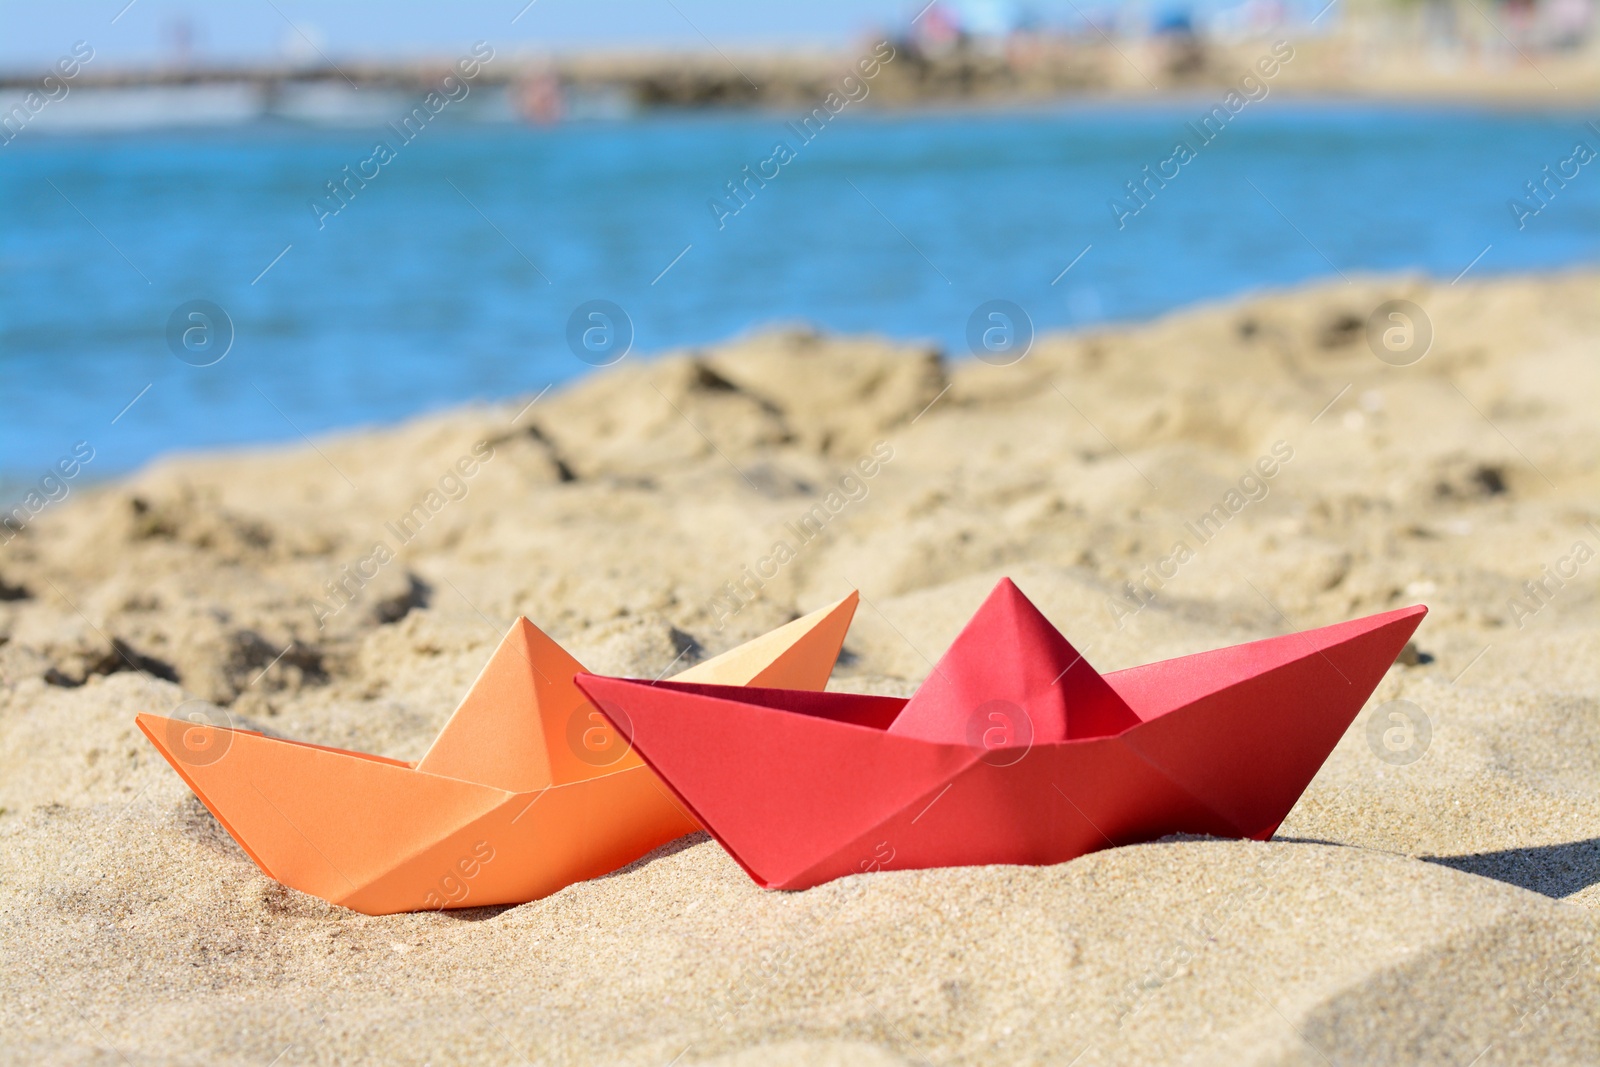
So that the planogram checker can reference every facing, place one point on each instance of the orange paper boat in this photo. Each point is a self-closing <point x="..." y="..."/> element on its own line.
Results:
<point x="527" y="790"/>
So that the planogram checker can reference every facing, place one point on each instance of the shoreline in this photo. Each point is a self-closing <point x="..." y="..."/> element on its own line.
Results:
<point x="103" y="476"/>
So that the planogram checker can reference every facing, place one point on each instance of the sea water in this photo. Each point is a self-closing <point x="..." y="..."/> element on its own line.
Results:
<point x="351" y="291"/>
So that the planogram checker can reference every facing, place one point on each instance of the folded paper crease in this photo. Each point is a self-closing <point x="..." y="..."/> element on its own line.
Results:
<point x="1013" y="750"/>
<point x="527" y="789"/>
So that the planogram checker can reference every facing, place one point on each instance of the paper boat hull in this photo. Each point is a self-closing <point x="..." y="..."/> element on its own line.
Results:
<point x="379" y="836"/>
<point x="803" y="788"/>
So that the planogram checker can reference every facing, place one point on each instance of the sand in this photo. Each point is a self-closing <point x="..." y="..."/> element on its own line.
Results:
<point x="1433" y="903"/>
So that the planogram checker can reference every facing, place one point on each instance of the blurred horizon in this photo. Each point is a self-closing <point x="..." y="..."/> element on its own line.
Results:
<point x="153" y="32"/>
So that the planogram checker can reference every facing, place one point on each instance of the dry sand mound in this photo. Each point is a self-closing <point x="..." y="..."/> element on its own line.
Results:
<point x="1430" y="900"/>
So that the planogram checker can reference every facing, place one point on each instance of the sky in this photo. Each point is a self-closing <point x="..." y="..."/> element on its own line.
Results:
<point x="33" y="33"/>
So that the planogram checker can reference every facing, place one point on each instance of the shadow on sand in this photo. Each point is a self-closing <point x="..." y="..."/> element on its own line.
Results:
<point x="1553" y="870"/>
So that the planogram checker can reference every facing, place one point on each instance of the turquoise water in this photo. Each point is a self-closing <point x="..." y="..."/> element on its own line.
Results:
<point x="453" y="273"/>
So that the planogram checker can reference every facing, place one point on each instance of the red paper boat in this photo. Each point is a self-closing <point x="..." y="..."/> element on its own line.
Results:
<point x="1014" y="750"/>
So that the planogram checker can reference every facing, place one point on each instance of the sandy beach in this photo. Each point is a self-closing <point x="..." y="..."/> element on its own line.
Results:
<point x="1431" y="901"/>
